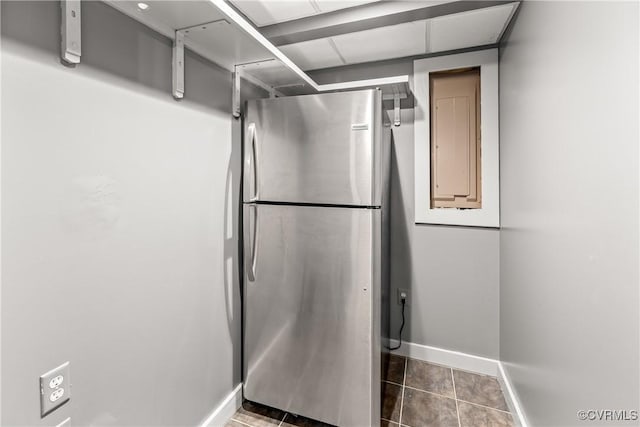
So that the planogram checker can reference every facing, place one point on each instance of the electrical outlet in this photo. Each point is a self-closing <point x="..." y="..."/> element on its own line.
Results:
<point x="56" y="395"/>
<point x="55" y="388"/>
<point x="407" y="296"/>
<point x="56" y="381"/>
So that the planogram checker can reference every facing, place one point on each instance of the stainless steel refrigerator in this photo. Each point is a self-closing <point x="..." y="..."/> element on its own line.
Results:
<point x="315" y="254"/>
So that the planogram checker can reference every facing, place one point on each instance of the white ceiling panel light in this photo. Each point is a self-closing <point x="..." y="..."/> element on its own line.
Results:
<point x="394" y="41"/>
<point x="475" y="28"/>
<point x="313" y="54"/>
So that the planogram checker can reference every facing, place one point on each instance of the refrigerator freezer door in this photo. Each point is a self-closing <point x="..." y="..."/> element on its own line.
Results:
<point x="312" y="329"/>
<point x="318" y="149"/>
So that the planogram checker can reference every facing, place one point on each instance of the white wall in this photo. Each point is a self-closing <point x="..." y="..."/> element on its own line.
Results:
<point x="119" y="229"/>
<point x="569" y="334"/>
<point x="451" y="272"/>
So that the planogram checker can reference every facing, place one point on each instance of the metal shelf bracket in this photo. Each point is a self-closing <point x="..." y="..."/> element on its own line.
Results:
<point x="236" y="93"/>
<point x="396" y="109"/>
<point x="71" y="46"/>
<point x="177" y="68"/>
<point x="242" y="71"/>
<point x="397" y="93"/>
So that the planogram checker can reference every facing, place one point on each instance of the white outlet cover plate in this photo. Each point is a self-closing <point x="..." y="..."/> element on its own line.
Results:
<point x="60" y="378"/>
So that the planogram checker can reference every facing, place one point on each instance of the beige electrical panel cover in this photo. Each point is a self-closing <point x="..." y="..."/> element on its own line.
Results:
<point x="455" y="139"/>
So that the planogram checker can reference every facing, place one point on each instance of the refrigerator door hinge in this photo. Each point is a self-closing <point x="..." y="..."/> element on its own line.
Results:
<point x="177" y="66"/>
<point x="71" y="46"/>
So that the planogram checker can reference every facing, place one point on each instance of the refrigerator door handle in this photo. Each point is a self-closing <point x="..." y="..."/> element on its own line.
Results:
<point x="253" y="137"/>
<point x="250" y="242"/>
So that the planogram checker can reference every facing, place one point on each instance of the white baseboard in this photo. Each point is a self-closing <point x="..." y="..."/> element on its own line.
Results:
<point x="225" y="410"/>
<point x="467" y="362"/>
<point x="454" y="359"/>
<point x="513" y="401"/>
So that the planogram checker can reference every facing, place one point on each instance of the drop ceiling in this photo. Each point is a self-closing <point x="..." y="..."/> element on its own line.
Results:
<point x="480" y="27"/>
<point x="276" y="41"/>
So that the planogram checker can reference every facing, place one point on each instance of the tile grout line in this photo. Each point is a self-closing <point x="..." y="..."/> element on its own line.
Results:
<point x="391" y="382"/>
<point x="283" y="418"/>
<point x="240" y="422"/>
<point x="486" y="407"/>
<point x="425" y="391"/>
<point x="392" y="422"/>
<point x="404" y="380"/>
<point x="455" y="395"/>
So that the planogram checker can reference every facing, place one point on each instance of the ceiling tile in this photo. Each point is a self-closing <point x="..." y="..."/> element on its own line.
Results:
<point x="331" y="5"/>
<point x="393" y="41"/>
<point x="313" y="54"/>
<point x="475" y="28"/>
<point x="271" y="12"/>
<point x="267" y="12"/>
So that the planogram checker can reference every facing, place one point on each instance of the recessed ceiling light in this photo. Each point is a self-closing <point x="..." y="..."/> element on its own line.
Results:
<point x="143" y="6"/>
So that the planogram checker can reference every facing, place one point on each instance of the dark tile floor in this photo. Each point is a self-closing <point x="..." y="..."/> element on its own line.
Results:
<point x="414" y="394"/>
<point x="420" y="394"/>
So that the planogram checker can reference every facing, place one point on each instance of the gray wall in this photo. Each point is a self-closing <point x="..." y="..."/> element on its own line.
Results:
<point x="569" y="243"/>
<point x="119" y="224"/>
<point x="452" y="272"/>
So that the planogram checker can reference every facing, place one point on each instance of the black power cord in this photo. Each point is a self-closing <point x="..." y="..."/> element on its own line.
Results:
<point x="404" y="301"/>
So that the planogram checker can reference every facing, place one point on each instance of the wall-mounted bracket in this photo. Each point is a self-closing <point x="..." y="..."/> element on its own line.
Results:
<point x="71" y="47"/>
<point x="242" y="71"/>
<point x="235" y="95"/>
<point x="397" y="93"/>
<point x="177" y="67"/>
<point x="396" y="110"/>
<point x="247" y="73"/>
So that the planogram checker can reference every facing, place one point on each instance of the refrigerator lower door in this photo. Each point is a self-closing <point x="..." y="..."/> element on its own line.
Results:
<point x="312" y="309"/>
